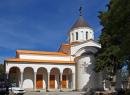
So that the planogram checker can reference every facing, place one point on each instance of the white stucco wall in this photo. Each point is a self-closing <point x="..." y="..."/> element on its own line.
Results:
<point x="45" y="57"/>
<point x="86" y="77"/>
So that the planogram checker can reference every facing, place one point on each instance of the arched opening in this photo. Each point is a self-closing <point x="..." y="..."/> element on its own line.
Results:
<point x="54" y="81"/>
<point x="41" y="78"/>
<point x="87" y="35"/>
<point x="28" y="78"/>
<point x="14" y="76"/>
<point x="67" y="78"/>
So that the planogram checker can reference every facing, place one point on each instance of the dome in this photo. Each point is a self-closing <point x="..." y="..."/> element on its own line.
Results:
<point x="80" y="23"/>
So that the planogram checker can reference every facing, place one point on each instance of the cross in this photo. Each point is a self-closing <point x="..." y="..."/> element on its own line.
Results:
<point x="80" y="10"/>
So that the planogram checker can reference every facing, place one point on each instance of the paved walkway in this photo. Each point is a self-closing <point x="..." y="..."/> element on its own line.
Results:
<point x="54" y="93"/>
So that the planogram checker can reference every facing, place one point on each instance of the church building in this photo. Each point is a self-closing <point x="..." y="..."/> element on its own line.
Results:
<point x="69" y="68"/>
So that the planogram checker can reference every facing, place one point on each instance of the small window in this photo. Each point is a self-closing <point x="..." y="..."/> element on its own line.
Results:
<point x="76" y="35"/>
<point x="86" y="35"/>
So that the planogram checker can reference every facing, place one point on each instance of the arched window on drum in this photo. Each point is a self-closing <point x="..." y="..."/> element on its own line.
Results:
<point x="87" y="35"/>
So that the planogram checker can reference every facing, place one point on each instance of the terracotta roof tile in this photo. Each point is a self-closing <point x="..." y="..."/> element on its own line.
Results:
<point x="40" y="52"/>
<point x="65" y="48"/>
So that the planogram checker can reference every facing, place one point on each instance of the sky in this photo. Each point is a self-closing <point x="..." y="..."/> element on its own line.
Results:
<point x="42" y="25"/>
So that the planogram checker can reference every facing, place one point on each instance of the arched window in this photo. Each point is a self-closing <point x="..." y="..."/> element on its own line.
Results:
<point x="76" y="35"/>
<point x="86" y="35"/>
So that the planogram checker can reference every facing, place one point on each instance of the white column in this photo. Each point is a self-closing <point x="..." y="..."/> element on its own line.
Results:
<point x="48" y="80"/>
<point x="35" y="73"/>
<point x="60" y="81"/>
<point x="73" y="81"/>
<point x="21" y="80"/>
<point x="84" y="35"/>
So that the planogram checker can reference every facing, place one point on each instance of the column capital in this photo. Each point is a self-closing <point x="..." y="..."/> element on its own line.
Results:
<point x="7" y="72"/>
<point x="35" y="74"/>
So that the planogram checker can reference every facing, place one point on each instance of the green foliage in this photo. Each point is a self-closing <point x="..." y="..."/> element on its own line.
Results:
<point x="108" y="57"/>
<point x="115" y="37"/>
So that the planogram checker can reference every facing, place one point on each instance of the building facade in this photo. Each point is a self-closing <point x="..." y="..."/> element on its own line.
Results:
<point x="70" y="68"/>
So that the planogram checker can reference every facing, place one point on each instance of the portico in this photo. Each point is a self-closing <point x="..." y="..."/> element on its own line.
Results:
<point x="41" y="77"/>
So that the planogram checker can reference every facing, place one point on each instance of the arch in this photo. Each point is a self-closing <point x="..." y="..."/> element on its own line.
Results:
<point x="67" y="78"/>
<point x="54" y="81"/>
<point x="52" y="68"/>
<point x="67" y="71"/>
<point x="86" y="50"/>
<point x="28" y="78"/>
<point x="43" y="68"/>
<point x="14" y="76"/>
<point x="41" y="78"/>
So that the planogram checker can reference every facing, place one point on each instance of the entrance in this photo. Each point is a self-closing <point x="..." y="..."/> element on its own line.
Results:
<point x="52" y="81"/>
<point x="39" y="81"/>
<point x="64" y="81"/>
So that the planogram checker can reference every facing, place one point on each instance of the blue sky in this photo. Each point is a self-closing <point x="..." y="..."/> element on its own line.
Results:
<point x="42" y="24"/>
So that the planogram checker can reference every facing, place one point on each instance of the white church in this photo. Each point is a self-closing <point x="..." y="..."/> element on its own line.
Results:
<point x="69" y="68"/>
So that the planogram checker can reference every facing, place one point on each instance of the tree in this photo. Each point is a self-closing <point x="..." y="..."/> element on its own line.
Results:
<point x="115" y="37"/>
<point x="1" y="71"/>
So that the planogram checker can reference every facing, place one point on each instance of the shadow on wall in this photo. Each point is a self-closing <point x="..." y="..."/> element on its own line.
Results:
<point x="92" y="83"/>
<point x="89" y="87"/>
